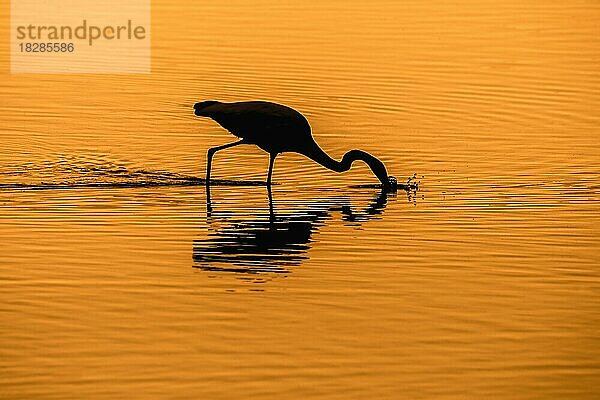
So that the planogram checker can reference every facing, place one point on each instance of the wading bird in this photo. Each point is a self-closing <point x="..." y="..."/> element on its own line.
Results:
<point x="276" y="129"/>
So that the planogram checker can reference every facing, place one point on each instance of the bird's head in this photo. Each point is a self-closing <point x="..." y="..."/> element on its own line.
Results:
<point x="200" y="108"/>
<point x="392" y="184"/>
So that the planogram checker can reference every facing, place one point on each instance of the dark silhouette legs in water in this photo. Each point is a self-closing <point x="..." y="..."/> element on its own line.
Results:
<point x="211" y="153"/>
<point x="208" y="202"/>
<point x="269" y="194"/>
<point x="271" y="163"/>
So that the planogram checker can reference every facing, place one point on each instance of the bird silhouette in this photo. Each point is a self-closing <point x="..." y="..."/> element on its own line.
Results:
<point x="276" y="129"/>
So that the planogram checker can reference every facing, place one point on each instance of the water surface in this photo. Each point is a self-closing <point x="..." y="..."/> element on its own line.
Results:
<point x="118" y="280"/>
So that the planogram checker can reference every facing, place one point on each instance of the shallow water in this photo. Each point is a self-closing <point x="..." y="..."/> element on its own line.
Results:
<point x="119" y="279"/>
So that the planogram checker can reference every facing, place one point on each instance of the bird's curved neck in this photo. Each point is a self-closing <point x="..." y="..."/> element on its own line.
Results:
<point x="318" y="155"/>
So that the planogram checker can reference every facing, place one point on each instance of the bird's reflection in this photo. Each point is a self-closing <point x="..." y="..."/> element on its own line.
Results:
<point x="274" y="240"/>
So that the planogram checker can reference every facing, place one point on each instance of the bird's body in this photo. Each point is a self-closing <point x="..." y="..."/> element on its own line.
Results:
<point x="276" y="129"/>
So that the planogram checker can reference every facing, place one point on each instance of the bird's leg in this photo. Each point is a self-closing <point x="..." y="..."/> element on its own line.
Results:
<point x="269" y="192"/>
<point x="211" y="153"/>
<point x="208" y="202"/>
<point x="271" y="211"/>
<point x="271" y="163"/>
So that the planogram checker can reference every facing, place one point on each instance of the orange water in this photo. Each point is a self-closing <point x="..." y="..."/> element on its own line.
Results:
<point x="482" y="284"/>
